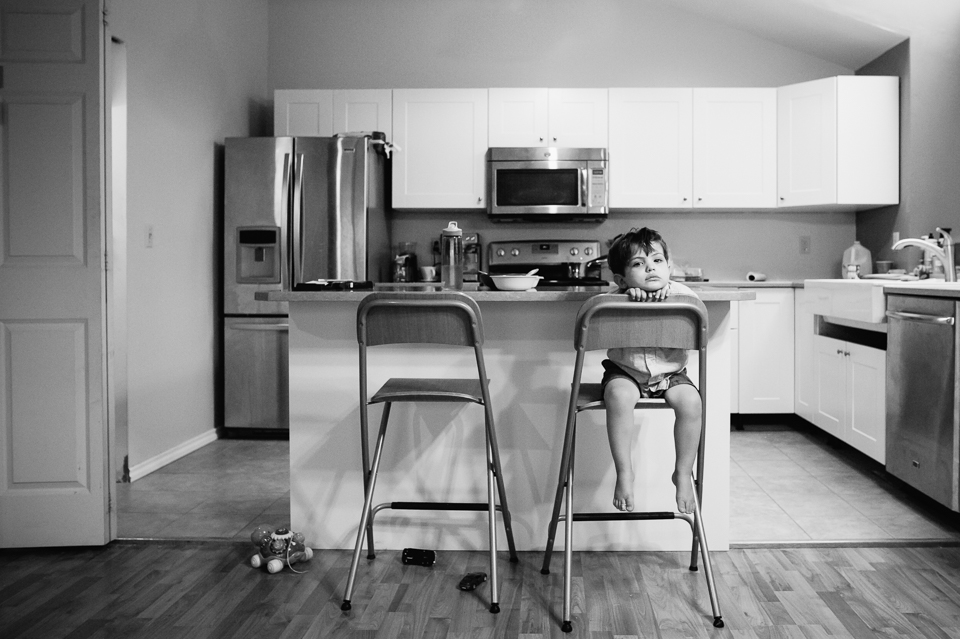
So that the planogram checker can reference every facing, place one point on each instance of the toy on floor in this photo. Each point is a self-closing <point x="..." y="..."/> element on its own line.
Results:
<point x="278" y="548"/>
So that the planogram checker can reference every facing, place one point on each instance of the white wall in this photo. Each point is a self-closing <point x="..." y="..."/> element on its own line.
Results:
<point x="930" y="132"/>
<point x="327" y="44"/>
<point x="197" y="74"/>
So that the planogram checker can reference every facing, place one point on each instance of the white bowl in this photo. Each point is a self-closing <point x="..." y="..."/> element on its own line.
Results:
<point x="515" y="282"/>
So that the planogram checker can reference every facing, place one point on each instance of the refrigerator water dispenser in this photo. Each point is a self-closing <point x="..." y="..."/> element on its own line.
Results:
<point x="258" y="255"/>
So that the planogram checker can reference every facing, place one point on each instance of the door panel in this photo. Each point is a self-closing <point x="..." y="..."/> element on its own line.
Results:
<point x="53" y="475"/>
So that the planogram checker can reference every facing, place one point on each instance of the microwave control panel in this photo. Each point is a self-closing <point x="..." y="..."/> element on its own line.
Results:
<point x="598" y="187"/>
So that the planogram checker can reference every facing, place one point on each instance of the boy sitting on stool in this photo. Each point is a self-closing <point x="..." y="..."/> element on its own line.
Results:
<point x="641" y="269"/>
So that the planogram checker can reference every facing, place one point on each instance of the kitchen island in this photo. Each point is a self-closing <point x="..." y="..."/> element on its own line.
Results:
<point x="435" y="451"/>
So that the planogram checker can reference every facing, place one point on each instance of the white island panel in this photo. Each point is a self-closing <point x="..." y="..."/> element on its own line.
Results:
<point x="435" y="451"/>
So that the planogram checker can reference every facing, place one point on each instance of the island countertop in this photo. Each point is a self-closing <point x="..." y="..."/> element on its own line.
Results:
<point x="575" y="294"/>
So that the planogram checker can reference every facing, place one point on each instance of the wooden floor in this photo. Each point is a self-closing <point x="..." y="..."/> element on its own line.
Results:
<point x="197" y="590"/>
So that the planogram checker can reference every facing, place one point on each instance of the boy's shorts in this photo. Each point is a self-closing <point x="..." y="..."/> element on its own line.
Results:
<point x="612" y="370"/>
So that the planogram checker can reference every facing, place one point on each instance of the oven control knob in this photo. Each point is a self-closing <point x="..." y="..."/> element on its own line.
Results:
<point x="501" y="252"/>
<point x="574" y="251"/>
<point x="515" y="252"/>
<point x="588" y="251"/>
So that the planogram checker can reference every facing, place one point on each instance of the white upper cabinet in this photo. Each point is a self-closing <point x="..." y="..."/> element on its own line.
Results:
<point x="734" y="148"/>
<point x="548" y="117"/>
<point x="651" y="148"/>
<point x="441" y="135"/>
<point x="303" y="112"/>
<point x="363" y="110"/>
<point x="321" y="112"/>
<point x="839" y="141"/>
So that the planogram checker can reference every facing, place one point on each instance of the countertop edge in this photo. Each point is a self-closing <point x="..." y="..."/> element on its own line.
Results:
<point x="706" y="294"/>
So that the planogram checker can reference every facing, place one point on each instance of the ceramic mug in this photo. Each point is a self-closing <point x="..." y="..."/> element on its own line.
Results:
<point x="428" y="273"/>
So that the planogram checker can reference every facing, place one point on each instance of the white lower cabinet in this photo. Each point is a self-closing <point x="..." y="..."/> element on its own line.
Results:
<point x="850" y="383"/>
<point x="805" y="382"/>
<point x="764" y="362"/>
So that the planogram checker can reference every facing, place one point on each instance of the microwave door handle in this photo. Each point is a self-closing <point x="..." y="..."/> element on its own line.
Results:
<point x="584" y="188"/>
<point x="298" y="257"/>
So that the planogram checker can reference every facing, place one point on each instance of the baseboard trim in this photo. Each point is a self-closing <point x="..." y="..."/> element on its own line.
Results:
<point x="182" y="450"/>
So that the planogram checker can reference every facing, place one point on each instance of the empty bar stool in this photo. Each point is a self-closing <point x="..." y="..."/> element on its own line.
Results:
<point x="426" y="318"/>
<point x="612" y="321"/>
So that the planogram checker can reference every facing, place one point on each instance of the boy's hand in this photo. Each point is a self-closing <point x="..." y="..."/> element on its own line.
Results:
<point x="640" y="295"/>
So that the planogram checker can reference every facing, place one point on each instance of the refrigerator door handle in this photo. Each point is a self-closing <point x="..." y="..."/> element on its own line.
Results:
<point x="297" y="220"/>
<point x="260" y="327"/>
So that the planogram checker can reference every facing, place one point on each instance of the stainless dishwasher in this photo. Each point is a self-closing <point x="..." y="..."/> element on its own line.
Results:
<point x="923" y="422"/>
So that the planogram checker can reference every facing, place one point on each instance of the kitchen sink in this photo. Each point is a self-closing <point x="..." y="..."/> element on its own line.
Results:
<point x="861" y="300"/>
<point x="857" y="300"/>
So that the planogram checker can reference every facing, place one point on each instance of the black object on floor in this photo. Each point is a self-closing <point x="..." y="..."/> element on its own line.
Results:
<point x="472" y="580"/>
<point x="418" y="557"/>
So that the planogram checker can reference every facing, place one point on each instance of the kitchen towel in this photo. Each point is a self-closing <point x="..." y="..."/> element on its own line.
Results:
<point x="753" y="276"/>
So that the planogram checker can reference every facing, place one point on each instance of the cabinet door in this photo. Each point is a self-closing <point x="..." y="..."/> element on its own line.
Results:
<point x="735" y="148"/>
<point x="805" y="382"/>
<point x="651" y="146"/>
<point x="807" y="143"/>
<point x="302" y="112"/>
<point x="578" y="118"/>
<point x="363" y="110"/>
<point x="865" y="427"/>
<point x="830" y="371"/>
<point x="518" y="117"/>
<point x="868" y="140"/>
<point x="442" y="140"/>
<point x="766" y="352"/>
<point x="735" y="357"/>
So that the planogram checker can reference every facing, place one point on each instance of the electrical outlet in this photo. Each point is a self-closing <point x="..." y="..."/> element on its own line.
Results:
<point x="896" y="236"/>
<point x="148" y="236"/>
<point x="804" y="245"/>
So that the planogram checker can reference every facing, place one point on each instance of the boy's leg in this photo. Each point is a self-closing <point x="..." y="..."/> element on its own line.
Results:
<point x="620" y="396"/>
<point x="684" y="399"/>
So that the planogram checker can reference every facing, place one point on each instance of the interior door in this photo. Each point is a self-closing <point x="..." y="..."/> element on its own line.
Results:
<point x="53" y="470"/>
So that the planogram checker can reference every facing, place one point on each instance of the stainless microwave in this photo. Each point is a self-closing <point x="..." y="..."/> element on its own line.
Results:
<point x="547" y="184"/>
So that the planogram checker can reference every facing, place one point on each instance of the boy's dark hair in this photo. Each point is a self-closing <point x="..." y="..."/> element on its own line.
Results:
<point x="625" y="247"/>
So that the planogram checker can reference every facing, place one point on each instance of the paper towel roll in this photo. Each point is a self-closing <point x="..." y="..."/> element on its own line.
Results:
<point x="753" y="276"/>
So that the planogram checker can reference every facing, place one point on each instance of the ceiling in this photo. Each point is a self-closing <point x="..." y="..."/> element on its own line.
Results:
<point x="849" y="33"/>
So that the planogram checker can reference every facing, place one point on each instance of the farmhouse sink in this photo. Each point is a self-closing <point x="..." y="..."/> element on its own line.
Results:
<point x="857" y="300"/>
<point x="861" y="300"/>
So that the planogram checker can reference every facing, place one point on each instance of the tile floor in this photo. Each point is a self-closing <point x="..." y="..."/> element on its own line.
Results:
<point x="788" y="484"/>
<point x="794" y="483"/>
<point x="222" y="491"/>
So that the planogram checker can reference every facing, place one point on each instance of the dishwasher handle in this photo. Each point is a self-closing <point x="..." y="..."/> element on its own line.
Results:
<point x="920" y="317"/>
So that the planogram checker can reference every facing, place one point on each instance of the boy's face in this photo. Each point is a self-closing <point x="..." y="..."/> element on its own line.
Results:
<point x="649" y="272"/>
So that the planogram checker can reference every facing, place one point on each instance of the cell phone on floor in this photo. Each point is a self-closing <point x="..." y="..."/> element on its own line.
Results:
<point x="418" y="557"/>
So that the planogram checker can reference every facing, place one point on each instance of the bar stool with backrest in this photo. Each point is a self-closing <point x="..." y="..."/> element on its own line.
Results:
<point x="612" y="321"/>
<point x="445" y="318"/>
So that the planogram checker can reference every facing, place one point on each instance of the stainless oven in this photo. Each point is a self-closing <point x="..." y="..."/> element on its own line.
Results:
<point x="547" y="184"/>
<point x="561" y="263"/>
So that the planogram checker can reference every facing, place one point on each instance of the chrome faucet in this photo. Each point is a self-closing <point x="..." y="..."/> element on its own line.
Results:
<point x="945" y="254"/>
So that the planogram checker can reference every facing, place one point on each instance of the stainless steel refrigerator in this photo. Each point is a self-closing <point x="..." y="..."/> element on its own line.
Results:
<point x="298" y="213"/>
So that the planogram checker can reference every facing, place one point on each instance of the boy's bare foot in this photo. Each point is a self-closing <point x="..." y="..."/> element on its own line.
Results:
<point x="685" y="503"/>
<point x="623" y="493"/>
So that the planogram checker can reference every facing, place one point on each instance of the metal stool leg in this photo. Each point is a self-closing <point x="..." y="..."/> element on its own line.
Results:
<point x="567" y="625"/>
<point x="365" y="525"/>
<point x="565" y="458"/>
<point x="492" y="530"/>
<point x="707" y="567"/>
<point x="501" y="488"/>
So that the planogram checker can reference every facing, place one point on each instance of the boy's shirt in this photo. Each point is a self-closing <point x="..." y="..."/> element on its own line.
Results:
<point x="652" y="366"/>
